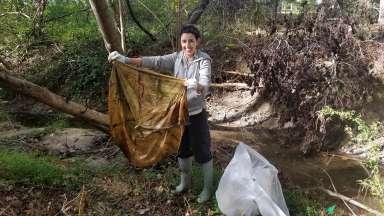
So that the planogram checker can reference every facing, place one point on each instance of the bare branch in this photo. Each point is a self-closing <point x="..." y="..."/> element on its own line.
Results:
<point x="237" y="73"/>
<point x="196" y="13"/>
<point x="353" y="202"/>
<point x="237" y="86"/>
<point x="158" y="19"/>
<point x="15" y="13"/>
<point x="138" y="23"/>
<point x="121" y="16"/>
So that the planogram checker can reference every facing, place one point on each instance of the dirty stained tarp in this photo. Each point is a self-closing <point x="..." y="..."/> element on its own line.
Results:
<point x="147" y="113"/>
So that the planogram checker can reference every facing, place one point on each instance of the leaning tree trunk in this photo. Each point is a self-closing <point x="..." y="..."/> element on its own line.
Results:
<point x="58" y="102"/>
<point x="381" y="13"/>
<point x="196" y="13"/>
<point x="107" y="25"/>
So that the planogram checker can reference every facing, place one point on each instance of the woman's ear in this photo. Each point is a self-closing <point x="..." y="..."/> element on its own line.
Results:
<point x="198" y="41"/>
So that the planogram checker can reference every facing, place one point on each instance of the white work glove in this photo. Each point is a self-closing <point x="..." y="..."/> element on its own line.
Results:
<point x="191" y="83"/>
<point x="118" y="57"/>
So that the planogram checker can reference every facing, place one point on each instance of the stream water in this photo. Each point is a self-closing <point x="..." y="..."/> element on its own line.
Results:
<point x="304" y="173"/>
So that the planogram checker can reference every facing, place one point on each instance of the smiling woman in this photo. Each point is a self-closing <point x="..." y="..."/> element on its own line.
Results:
<point x="188" y="44"/>
<point x="193" y="65"/>
<point x="190" y="40"/>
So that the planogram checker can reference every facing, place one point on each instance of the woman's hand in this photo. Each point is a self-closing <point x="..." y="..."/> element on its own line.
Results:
<point x="118" y="57"/>
<point x="191" y="83"/>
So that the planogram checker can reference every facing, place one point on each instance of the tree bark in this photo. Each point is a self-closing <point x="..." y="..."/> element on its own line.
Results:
<point x="122" y="24"/>
<point x="196" y="13"/>
<point x="107" y="25"/>
<point x="381" y="13"/>
<point x="58" y="102"/>
<point x="38" y="18"/>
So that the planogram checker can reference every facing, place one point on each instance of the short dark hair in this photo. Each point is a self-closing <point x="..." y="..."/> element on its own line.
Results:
<point x="190" y="28"/>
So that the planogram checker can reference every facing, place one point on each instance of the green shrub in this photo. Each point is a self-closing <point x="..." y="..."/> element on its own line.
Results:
<point x="300" y="204"/>
<point x="365" y="134"/>
<point x="78" y="73"/>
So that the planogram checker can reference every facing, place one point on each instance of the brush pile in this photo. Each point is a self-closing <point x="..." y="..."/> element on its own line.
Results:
<point x="314" y="63"/>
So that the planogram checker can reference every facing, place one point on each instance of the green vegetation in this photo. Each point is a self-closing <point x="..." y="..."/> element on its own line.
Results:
<point x="34" y="169"/>
<point x="3" y="116"/>
<point x="58" y="122"/>
<point x="30" y="169"/>
<point x="359" y="130"/>
<point x="78" y="73"/>
<point x="301" y="204"/>
<point x="362" y="133"/>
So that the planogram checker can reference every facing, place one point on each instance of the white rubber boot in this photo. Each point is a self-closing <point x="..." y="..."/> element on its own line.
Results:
<point x="185" y="166"/>
<point x="205" y="195"/>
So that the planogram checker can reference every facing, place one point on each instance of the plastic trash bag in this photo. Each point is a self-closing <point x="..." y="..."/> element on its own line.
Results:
<point x="250" y="186"/>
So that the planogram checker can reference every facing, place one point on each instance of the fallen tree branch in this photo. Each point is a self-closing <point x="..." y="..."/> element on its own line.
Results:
<point x="334" y="188"/>
<point x="56" y="101"/>
<point x="237" y="86"/>
<point x="236" y="73"/>
<point x="350" y="200"/>
<point x="215" y="126"/>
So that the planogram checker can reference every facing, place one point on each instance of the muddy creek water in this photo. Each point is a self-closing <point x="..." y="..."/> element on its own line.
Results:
<point x="304" y="173"/>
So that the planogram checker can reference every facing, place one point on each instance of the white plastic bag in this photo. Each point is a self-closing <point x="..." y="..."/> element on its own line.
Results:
<point x="250" y="186"/>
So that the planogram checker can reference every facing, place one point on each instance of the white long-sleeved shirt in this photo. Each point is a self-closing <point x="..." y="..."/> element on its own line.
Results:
<point x="199" y="68"/>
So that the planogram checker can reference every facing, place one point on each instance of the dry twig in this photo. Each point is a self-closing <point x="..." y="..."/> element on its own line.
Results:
<point x="353" y="202"/>
<point x="82" y="201"/>
<point x="334" y="188"/>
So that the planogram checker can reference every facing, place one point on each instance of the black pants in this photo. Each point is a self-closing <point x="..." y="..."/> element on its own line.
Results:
<point x="196" y="139"/>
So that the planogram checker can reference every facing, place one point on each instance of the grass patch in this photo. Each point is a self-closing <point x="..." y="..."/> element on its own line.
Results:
<point x="4" y="116"/>
<point x="59" y="122"/>
<point x="34" y="169"/>
<point x="30" y="169"/>
<point x="300" y="204"/>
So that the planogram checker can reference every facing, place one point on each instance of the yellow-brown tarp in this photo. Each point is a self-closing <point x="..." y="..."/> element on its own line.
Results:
<point x="147" y="113"/>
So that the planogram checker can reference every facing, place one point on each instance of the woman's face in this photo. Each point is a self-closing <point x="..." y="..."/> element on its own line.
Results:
<point x="189" y="44"/>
